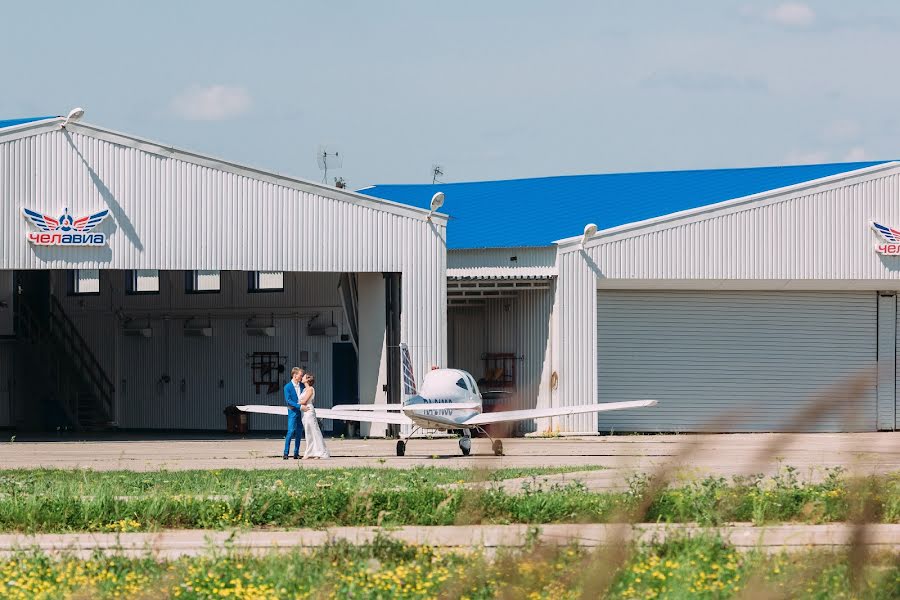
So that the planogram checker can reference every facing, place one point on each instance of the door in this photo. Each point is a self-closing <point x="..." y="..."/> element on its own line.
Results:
<point x="757" y="357"/>
<point x="344" y="383"/>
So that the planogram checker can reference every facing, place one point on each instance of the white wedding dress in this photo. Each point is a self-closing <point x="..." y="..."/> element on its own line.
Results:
<point x="315" y="444"/>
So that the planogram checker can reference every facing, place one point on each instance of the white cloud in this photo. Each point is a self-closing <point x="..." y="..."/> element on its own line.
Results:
<point x="211" y="103"/>
<point x="813" y="157"/>
<point x="792" y="14"/>
<point x="856" y="154"/>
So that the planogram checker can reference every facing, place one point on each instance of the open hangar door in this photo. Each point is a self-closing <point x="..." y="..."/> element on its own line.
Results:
<point x="172" y="349"/>
<point x="755" y="356"/>
<point x="498" y="330"/>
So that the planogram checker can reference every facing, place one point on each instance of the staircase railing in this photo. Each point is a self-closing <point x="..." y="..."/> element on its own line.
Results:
<point x="36" y="332"/>
<point x="71" y="360"/>
<point x="82" y="356"/>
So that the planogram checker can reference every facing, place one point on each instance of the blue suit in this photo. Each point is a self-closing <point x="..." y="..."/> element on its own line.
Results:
<point x="295" y="414"/>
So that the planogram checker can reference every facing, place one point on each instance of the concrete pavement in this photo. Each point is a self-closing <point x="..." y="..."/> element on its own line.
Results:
<point x="620" y="456"/>
<point x="173" y="544"/>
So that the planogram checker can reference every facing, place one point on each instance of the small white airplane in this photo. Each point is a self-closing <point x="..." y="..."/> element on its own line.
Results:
<point x="449" y="400"/>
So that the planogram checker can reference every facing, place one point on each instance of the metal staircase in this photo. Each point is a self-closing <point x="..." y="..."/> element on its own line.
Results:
<point x="71" y="373"/>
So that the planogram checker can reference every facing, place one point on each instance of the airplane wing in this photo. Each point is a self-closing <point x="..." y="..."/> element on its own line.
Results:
<point x="367" y="407"/>
<point x="407" y="407"/>
<point x="536" y="413"/>
<point x="328" y="413"/>
<point x="365" y="417"/>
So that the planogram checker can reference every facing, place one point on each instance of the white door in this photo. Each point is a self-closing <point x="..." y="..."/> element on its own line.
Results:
<point x="757" y="356"/>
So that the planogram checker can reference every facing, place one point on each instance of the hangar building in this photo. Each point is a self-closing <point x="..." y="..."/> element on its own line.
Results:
<point x="736" y="293"/>
<point x="147" y="287"/>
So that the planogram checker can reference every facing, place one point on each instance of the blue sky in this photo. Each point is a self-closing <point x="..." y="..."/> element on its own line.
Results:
<point x="488" y="90"/>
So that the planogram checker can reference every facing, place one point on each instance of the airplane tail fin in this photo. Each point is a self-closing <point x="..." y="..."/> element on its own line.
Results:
<point x="409" y="379"/>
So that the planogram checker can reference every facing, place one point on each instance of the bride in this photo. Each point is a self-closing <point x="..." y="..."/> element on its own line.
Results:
<point x="315" y="445"/>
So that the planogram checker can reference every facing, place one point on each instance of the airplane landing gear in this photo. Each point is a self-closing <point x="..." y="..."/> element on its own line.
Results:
<point x="401" y="444"/>
<point x="497" y="446"/>
<point x="465" y="444"/>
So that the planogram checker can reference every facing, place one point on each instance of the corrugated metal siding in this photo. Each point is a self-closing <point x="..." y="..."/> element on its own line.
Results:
<point x="466" y="331"/>
<point x="823" y="235"/>
<point x="705" y="354"/>
<point x="493" y="258"/>
<point x="887" y="360"/>
<point x="174" y="211"/>
<point x="577" y="289"/>
<point x="519" y="325"/>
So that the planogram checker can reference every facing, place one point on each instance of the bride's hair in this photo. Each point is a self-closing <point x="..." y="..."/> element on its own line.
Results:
<point x="311" y="379"/>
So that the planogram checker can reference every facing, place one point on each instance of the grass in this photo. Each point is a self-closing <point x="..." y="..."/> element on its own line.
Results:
<point x="224" y="481"/>
<point x="678" y="569"/>
<point x="48" y="501"/>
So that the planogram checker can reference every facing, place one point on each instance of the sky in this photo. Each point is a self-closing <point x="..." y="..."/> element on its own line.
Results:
<point x="487" y="90"/>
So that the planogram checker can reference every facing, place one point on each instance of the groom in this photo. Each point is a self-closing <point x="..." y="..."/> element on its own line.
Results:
<point x="292" y="392"/>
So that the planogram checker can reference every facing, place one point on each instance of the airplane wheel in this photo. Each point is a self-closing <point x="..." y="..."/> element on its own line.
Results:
<point x="401" y="448"/>
<point x="465" y="445"/>
<point x="498" y="448"/>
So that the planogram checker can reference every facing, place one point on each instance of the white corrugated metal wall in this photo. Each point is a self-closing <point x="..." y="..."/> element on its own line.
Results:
<point x="204" y="374"/>
<point x="174" y="210"/>
<point x="814" y="236"/>
<point x="887" y="360"/>
<point x="757" y="357"/>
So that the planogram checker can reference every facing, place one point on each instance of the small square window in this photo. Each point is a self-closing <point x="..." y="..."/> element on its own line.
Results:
<point x="84" y="282"/>
<point x="143" y="281"/>
<point x="266" y="281"/>
<point x="203" y="282"/>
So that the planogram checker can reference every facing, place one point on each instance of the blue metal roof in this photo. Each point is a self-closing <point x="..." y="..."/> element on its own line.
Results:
<point x="12" y="122"/>
<point x="536" y="212"/>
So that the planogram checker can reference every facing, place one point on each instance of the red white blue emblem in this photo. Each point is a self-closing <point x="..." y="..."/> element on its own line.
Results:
<point x="66" y="230"/>
<point x="891" y="237"/>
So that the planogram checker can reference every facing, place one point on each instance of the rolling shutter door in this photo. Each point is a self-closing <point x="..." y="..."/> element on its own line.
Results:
<point x="701" y="354"/>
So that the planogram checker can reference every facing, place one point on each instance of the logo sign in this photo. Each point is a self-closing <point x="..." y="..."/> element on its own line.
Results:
<point x="66" y="230"/>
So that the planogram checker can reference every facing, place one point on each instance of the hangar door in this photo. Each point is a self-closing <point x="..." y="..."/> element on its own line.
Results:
<point x="760" y="354"/>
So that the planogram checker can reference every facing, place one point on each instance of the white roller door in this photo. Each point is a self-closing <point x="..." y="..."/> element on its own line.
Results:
<point x="704" y="353"/>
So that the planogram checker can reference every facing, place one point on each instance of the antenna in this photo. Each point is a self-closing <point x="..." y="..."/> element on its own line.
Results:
<point x="436" y="171"/>
<point x="328" y="157"/>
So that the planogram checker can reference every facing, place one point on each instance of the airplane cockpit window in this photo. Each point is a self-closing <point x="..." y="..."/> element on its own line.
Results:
<point x="472" y="385"/>
<point x="462" y="383"/>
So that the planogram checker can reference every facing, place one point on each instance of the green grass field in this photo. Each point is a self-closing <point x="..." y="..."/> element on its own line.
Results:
<point x="61" y="501"/>
<point x="679" y="569"/>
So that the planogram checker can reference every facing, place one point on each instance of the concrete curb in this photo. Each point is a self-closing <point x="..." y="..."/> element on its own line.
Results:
<point x="172" y="544"/>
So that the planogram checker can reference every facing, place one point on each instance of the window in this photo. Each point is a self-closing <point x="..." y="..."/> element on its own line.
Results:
<point x="142" y="281"/>
<point x="202" y="282"/>
<point x="473" y="386"/>
<point x="84" y="282"/>
<point x="266" y="281"/>
<point x="462" y="383"/>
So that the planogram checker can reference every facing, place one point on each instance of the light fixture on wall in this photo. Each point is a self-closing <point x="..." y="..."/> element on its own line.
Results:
<point x="194" y="330"/>
<point x="251" y="327"/>
<point x="437" y="201"/>
<point x="133" y="329"/>
<point x="590" y="230"/>
<point x="330" y="330"/>
<point x="74" y="115"/>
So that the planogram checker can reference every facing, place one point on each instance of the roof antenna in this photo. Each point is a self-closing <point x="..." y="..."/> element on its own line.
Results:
<point x="436" y="171"/>
<point x="328" y="157"/>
